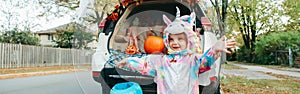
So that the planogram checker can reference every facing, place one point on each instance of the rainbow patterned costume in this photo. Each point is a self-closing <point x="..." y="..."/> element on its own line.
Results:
<point x="176" y="72"/>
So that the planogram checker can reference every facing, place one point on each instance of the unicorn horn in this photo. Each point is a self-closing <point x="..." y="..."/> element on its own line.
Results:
<point x="177" y="13"/>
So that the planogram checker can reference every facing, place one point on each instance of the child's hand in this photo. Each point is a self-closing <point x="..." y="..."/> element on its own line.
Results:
<point x="222" y="46"/>
<point x="122" y="63"/>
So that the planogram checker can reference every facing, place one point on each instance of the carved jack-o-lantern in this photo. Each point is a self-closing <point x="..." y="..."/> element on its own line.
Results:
<point x="132" y="47"/>
<point x="131" y="50"/>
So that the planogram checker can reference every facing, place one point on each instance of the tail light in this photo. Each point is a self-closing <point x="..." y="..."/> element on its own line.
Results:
<point x="213" y="78"/>
<point x="96" y="74"/>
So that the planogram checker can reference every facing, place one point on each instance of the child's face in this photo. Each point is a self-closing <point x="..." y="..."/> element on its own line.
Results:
<point x="178" y="42"/>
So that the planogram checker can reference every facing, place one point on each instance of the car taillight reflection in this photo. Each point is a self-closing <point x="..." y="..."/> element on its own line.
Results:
<point x="96" y="74"/>
<point x="213" y="78"/>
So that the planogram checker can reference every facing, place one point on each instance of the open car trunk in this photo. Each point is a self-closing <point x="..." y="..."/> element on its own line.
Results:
<point x="141" y="21"/>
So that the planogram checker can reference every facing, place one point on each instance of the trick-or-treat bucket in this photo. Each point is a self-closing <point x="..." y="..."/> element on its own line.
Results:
<point x="126" y="88"/>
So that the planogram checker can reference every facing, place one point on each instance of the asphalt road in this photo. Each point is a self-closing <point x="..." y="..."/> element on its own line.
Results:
<point x="69" y="83"/>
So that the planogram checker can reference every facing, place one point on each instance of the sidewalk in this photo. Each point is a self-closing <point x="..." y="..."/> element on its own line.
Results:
<point x="258" y="72"/>
<point x="19" y="75"/>
<point x="267" y="70"/>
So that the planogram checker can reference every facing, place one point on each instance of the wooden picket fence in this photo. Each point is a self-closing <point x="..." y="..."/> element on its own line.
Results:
<point x="17" y="56"/>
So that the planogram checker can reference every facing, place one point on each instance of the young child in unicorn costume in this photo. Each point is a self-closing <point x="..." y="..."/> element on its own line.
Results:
<point x="177" y="71"/>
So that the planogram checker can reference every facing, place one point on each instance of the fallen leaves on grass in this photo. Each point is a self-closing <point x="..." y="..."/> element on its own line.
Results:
<point x="297" y="79"/>
<point x="241" y="85"/>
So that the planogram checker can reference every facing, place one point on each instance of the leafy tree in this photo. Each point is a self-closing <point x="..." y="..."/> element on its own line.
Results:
<point x="73" y="36"/>
<point x="82" y="39"/>
<point x="71" y="4"/>
<point x="82" y="35"/>
<point x="291" y="10"/>
<point x="221" y="13"/>
<point x="64" y="39"/>
<point x="90" y="12"/>
<point x="250" y="18"/>
<point x="19" y="37"/>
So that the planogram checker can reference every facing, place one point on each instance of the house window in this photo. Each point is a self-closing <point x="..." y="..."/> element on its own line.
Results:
<point x="49" y="37"/>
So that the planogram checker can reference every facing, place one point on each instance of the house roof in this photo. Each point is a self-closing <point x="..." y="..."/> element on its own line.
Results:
<point x="52" y="30"/>
<point x="64" y="26"/>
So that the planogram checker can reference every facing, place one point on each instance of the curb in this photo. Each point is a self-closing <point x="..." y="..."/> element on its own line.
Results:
<point x="20" y="75"/>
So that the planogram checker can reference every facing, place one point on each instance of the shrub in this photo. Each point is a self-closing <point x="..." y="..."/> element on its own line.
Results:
<point x="267" y="45"/>
<point x="244" y="54"/>
<point x="19" y="37"/>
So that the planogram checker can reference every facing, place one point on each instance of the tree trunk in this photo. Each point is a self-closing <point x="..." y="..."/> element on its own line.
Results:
<point x="100" y="18"/>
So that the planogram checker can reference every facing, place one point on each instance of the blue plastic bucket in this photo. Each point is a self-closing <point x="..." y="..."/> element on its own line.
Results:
<point x="126" y="88"/>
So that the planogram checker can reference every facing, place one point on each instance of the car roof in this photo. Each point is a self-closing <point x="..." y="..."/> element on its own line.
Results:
<point x="168" y="7"/>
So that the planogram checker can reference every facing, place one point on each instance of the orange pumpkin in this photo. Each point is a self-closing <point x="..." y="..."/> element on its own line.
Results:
<point x="153" y="44"/>
<point x="131" y="50"/>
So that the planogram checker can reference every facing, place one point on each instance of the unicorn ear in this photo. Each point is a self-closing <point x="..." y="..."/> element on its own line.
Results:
<point x="166" y="20"/>
<point x="192" y="17"/>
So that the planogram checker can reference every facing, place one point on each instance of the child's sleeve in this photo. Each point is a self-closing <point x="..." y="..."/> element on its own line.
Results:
<point x="205" y="61"/>
<point x="142" y="65"/>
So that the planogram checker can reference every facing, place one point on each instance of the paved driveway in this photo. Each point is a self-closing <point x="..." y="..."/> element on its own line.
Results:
<point x="258" y="72"/>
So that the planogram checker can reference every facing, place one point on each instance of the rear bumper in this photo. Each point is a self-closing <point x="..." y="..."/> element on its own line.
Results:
<point x="112" y="76"/>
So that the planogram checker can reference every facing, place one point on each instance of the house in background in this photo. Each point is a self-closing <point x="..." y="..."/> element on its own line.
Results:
<point x="46" y="37"/>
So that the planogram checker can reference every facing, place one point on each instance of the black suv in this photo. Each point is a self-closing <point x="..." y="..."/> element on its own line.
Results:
<point x="140" y="18"/>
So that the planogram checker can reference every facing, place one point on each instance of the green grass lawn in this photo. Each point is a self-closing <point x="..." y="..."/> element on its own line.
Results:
<point x="241" y="85"/>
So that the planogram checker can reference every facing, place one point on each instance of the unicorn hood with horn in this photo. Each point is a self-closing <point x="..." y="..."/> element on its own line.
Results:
<point x="182" y="24"/>
<point x="176" y="72"/>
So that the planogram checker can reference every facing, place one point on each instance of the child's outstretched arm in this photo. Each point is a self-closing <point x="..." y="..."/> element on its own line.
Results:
<point x="206" y="60"/>
<point x="142" y="65"/>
